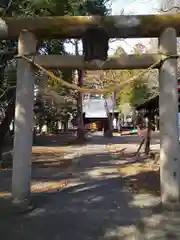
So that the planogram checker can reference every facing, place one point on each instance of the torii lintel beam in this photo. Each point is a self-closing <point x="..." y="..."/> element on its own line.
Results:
<point x="135" y="26"/>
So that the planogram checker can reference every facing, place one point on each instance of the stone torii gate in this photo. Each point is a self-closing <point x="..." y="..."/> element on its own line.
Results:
<point x="29" y="30"/>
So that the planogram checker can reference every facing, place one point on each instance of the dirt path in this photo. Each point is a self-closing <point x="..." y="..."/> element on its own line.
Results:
<point x="95" y="204"/>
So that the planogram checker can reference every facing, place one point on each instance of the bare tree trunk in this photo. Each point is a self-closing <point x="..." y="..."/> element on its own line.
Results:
<point x="110" y="115"/>
<point x="109" y="130"/>
<point x="65" y="127"/>
<point x="148" y="137"/>
<point x="80" y="130"/>
<point x="4" y="127"/>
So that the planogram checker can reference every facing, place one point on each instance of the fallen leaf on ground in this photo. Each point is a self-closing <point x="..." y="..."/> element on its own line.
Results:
<point x="50" y="186"/>
<point x="141" y="178"/>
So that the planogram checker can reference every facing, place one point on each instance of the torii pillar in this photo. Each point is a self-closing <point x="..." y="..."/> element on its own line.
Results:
<point x="168" y="111"/>
<point x="21" y="176"/>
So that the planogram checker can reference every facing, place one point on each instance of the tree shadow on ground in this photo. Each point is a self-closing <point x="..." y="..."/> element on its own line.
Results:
<point x="144" y="182"/>
<point x="140" y="174"/>
<point x="87" y="211"/>
<point x="133" y="140"/>
<point x="101" y="210"/>
<point x="99" y="206"/>
<point x="70" y="139"/>
<point x="53" y="140"/>
<point x="87" y="167"/>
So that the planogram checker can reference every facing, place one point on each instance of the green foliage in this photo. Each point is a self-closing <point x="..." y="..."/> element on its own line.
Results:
<point x="119" y="51"/>
<point x="59" y="7"/>
<point x="140" y="92"/>
<point x="46" y="109"/>
<point x="136" y="91"/>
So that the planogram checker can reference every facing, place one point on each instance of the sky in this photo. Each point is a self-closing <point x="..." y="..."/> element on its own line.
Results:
<point x="132" y="7"/>
<point x="135" y="6"/>
<point x="129" y="7"/>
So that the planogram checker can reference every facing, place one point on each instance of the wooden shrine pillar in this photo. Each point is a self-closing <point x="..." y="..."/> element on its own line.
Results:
<point x="21" y="176"/>
<point x="168" y="111"/>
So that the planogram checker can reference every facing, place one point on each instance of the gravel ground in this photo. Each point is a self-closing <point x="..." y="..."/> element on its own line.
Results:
<point x="95" y="203"/>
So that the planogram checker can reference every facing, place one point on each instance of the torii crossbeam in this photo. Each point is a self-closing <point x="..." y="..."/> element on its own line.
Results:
<point x="142" y="26"/>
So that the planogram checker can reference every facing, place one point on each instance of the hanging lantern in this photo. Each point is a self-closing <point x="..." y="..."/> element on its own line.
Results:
<point x="95" y="44"/>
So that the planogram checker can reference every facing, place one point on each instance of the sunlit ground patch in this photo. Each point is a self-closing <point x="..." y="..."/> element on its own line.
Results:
<point x="5" y="194"/>
<point x="42" y="187"/>
<point x="51" y="157"/>
<point x="141" y="178"/>
<point x="50" y="186"/>
<point x="45" y="163"/>
<point x="42" y="157"/>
